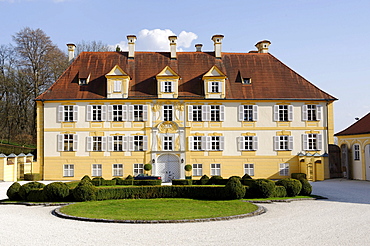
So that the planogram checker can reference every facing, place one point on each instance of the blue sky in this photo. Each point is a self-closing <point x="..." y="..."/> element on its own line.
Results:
<point x="325" y="41"/>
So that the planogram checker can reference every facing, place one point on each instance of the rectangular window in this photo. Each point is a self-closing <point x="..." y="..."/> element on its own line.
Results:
<point x="197" y="169"/>
<point x="138" y="113"/>
<point x="167" y="143"/>
<point x="215" y="87"/>
<point x="311" y="113"/>
<point x="283" y="142"/>
<point x="138" y="143"/>
<point x="312" y="141"/>
<point x="68" y="170"/>
<point x="167" y="86"/>
<point x="67" y="142"/>
<point x="117" y="84"/>
<point x="117" y="170"/>
<point x="68" y="113"/>
<point x="216" y="169"/>
<point x="284" y="169"/>
<point x="197" y="113"/>
<point x="248" y="142"/>
<point x="283" y="112"/>
<point x="215" y="113"/>
<point x="197" y="143"/>
<point x="249" y="169"/>
<point x="138" y="169"/>
<point x="356" y="149"/>
<point x="167" y="112"/>
<point x="247" y="112"/>
<point x="117" y="112"/>
<point x="97" y="143"/>
<point x="96" y="170"/>
<point x="96" y="112"/>
<point x="215" y="143"/>
<point x="118" y="143"/>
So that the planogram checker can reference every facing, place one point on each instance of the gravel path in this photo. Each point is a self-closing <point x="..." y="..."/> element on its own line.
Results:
<point x="343" y="219"/>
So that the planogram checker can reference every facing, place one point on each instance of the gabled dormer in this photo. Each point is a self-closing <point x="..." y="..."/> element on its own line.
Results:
<point x="168" y="83"/>
<point x="214" y="83"/>
<point x="83" y="79"/>
<point x="117" y="83"/>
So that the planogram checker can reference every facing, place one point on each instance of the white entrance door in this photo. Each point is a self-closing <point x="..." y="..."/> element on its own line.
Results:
<point x="168" y="167"/>
<point x="367" y="161"/>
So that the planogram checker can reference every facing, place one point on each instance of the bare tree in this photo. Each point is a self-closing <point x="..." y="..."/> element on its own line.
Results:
<point x="92" y="46"/>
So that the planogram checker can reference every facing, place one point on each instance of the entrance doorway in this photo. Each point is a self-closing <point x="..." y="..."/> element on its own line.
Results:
<point x="168" y="167"/>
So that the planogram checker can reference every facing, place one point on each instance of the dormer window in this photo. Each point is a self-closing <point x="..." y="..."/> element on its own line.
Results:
<point x="117" y="86"/>
<point x="167" y="86"/>
<point x="247" y="81"/>
<point x="215" y="87"/>
<point x="117" y="83"/>
<point x="168" y="82"/>
<point x="82" y="82"/>
<point x="214" y="83"/>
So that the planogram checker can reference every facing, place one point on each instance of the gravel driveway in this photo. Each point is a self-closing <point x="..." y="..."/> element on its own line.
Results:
<point x="343" y="219"/>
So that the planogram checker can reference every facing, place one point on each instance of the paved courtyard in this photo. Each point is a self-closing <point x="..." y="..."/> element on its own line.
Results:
<point x="343" y="219"/>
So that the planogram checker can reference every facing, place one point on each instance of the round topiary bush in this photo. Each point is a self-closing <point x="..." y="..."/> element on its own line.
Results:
<point x="188" y="167"/>
<point x="84" y="191"/>
<point x="292" y="186"/>
<point x="263" y="188"/>
<point x="56" y="191"/>
<point x="148" y="167"/>
<point x="246" y="176"/>
<point x="234" y="189"/>
<point x="129" y="177"/>
<point x="86" y="177"/>
<point x="306" y="187"/>
<point x="25" y="189"/>
<point x="214" y="180"/>
<point x="204" y="180"/>
<point x="13" y="192"/>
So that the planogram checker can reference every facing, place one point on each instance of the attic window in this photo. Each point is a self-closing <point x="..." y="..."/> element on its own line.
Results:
<point x="247" y="81"/>
<point x="82" y="82"/>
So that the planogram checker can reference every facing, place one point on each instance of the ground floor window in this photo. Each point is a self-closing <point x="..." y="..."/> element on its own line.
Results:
<point x="96" y="170"/>
<point x="117" y="170"/>
<point x="284" y="169"/>
<point x="69" y="170"/>
<point x="216" y="169"/>
<point x="197" y="170"/>
<point x="249" y="169"/>
<point x="356" y="155"/>
<point x="138" y="169"/>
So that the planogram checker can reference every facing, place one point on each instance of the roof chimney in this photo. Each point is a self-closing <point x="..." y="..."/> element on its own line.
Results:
<point x="173" y="40"/>
<point x="71" y="51"/>
<point x="217" y="39"/>
<point x="198" y="47"/>
<point x="131" y="46"/>
<point x="263" y="46"/>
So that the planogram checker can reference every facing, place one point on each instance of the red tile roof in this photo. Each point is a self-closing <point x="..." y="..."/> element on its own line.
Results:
<point x="271" y="79"/>
<point x="361" y="126"/>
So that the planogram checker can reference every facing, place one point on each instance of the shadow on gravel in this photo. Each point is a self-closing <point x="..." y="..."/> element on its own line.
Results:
<point x="343" y="190"/>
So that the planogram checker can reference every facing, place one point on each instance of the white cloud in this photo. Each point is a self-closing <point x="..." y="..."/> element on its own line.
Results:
<point x="157" y="40"/>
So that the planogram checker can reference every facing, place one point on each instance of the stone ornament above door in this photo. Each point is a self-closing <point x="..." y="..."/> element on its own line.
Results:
<point x="168" y="127"/>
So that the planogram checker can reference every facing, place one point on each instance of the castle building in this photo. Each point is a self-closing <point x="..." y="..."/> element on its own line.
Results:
<point x="226" y="114"/>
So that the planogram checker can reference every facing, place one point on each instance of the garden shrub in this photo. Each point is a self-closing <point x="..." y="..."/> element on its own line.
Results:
<point x="97" y="181"/>
<point x="292" y="186"/>
<point x="148" y="182"/>
<point x="247" y="182"/>
<point x="86" y="177"/>
<point x="182" y="182"/>
<point x="13" y="192"/>
<point x="234" y="189"/>
<point x="119" y="181"/>
<point x="306" y="187"/>
<point x="280" y="191"/>
<point x="129" y="177"/>
<point x="85" y="191"/>
<point x="32" y="176"/>
<point x="148" y="167"/>
<point x="203" y="180"/>
<point x="26" y="188"/>
<point x="263" y="188"/>
<point x="246" y="176"/>
<point x="217" y="180"/>
<point x="108" y="182"/>
<point x="298" y="176"/>
<point x="188" y="167"/>
<point x="37" y="196"/>
<point x="56" y="191"/>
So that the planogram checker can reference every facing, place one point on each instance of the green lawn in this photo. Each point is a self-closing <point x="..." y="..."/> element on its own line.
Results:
<point x="158" y="209"/>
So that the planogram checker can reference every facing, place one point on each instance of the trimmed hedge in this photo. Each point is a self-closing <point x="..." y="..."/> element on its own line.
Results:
<point x="25" y="189"/>
<point x="182" y="182"/>
<point x="13" y="192"/>
<point x="148" y="182"/>
<point x="292" y="186"/>
<point x="37" y="196"/>
<point x="203" y="180"/>
<point x="306" y="187"/>
<point x="86" y="177"/>
<point x="234" y="189"/>
<point x="298" y="176"/>
<point x="246" y="176"/>
<point x="56" y="191"/>
<point x="280" y="191"/>
<point x="263" y="188"/>
<point x="85" y="191"/>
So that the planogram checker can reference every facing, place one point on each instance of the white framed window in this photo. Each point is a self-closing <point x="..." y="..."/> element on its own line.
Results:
<point x="197" y="169"/>
<point x="96" y="113"/>
<point x="68" y="170"/>
<point x="249" y="169"/>
<point x="283" y="142"/>
<point x="248" y="143"/>
<point x="117" y="112"/>
<point x="96" y="143"/>
<point x="118" y="143"/>
<point x="248" y="112"/>
<point x="216" y="169"/>
<point x="167" y="113"/>
<point x="195" y="143"/>
<point x="168" y="143"/>
<point x="96" y="170"/>
<point x="214" y="87"/>
<point x="283" y="112"/>
<point x="167" y="86"/>
<point x="312" y="141"/>
<point x="356" y="152"/>
<point x="311" y="112"/>
<point x="138" y="112"/>
<point x="138" y="143"/>
<point x="195" y="112"/>
<point x="67" y="142"/>
<point x="217" y="112"/>
<point x="67" y="113"/>
<point x="117" y="170"/>
<point x="216" y="143"/>
<point x="284" y="169"/>
<point x="117" y="86"/>
<point x="138" y="169"/>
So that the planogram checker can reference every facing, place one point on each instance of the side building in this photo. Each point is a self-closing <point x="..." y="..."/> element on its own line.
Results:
<point x="224" y="113"/>
<point x="354" y="143"/>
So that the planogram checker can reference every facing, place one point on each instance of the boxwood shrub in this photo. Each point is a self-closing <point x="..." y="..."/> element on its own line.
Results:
<point x="234" y="189"/>
<point x="108" y="182"/>
<point x="86" y="177"/>
<point x="217" y="180"/>
<point x="85" y="191"/>
<point x="298" y="176"/>
<point x="25" y="189"/>
<point x="280" y="191"/>
<point x="263" y="188"/>
<point x="56" y="191"/>
<point x="182" y="182"/>
<point x="306" y="187"/>
<point x="148" y="182"/>
<point x="293" y="186"/>
<point x="203" y="180"/>
<point x="13" y="192"/>
<point x="246" y="176"/>
<point x="37" y="195"/>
